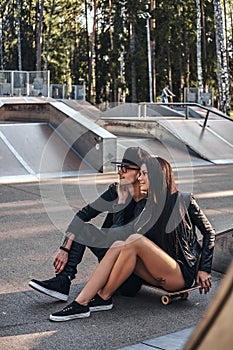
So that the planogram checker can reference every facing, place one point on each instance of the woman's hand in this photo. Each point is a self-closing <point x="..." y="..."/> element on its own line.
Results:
<point x="60" y="261"/>
<point x="204" y="281"/>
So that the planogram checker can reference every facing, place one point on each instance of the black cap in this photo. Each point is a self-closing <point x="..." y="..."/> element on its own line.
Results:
<point x="132" y="156"/>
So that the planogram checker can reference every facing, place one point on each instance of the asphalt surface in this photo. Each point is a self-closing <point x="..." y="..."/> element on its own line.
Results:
<point x="33" y="219"/>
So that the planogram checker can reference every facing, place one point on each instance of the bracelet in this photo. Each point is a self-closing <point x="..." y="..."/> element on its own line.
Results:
<point x="65" y="249"/>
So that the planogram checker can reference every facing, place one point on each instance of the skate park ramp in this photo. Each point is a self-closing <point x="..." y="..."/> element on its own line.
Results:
<point x="29" y="126"/>
<point x="213" y="143"/>
<point x="171" y="149"/>
<point x="43" y="139"/>
<point x="32" y="150"/>
<point x="89" y="111"/>
<point x="126" y="110"/>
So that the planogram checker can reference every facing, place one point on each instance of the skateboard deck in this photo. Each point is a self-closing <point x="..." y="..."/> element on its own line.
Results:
<point x="167" y="296"/>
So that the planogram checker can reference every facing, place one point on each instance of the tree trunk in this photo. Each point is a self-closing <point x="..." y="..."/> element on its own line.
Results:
<point x="19" y="36"/>
<point x="187" y="62"/>
<point x="113" y="75"/>
<point x="133" y="70"/>
<point x="152" y="29"/>
<point x="39" y="36"/>
<point x="91" y="82"/>
<point x="204" y="51"/>
<point x="169" y="68"/>
<point x="225" y="29"/>
<point x="1" y="45"/>
<point x="221" y="59"/>
<point x="87" y="46"/>
<point x="199" y="64"/>
<point x="49" y="34"/>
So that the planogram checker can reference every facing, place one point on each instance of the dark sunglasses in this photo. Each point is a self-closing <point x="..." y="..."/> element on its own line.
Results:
<point x="125" y="168"/>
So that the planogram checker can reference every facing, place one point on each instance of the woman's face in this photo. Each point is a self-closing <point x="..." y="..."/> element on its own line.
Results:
<point x="143" y="179"/>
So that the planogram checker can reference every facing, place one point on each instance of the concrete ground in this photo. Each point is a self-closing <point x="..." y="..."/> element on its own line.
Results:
<point x="33" y="219"/>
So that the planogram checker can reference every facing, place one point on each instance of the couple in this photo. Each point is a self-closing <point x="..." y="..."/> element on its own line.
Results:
<point x="158" y="246"/>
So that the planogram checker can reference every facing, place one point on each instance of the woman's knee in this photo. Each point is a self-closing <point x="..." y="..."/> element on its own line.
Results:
<point x="134" y="238"/>
<point x="115" y="248"/>
<point x="117" y="244"/>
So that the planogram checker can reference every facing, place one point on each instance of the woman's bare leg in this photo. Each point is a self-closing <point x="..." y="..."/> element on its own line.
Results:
<point x="159" y="266"/>
<point x="122" y="259"/>
<point x="100" y="275"/>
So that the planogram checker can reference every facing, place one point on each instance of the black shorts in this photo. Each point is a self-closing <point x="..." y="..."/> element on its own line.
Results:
<point x="131" y="286"/>
<point x="189" y="273"/>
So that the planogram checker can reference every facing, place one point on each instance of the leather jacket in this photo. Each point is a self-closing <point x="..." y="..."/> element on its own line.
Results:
<point x="188" y="239"/>
<point x="192" y="252"/>
<point x="117" y="214"/>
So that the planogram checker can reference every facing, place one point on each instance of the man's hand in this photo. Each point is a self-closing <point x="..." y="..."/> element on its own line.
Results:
<point x="60" y="261"/>
<point x="61" y="258"/>
<point x="123" y="192"/>
<point x="204" y="281"/>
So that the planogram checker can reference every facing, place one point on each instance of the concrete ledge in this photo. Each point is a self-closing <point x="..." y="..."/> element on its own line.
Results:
<point x="223" y="251"/>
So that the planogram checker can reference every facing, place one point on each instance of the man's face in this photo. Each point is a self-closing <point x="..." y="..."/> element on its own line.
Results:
<point x="128" y="174"/>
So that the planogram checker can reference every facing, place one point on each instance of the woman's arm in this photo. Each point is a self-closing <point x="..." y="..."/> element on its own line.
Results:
<point x="200" y="220"/>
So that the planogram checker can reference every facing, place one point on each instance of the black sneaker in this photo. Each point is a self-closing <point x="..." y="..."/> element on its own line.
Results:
<point x="99" y="304"/>
<point x="57" y="287"/>
<point x="70" y="312"/>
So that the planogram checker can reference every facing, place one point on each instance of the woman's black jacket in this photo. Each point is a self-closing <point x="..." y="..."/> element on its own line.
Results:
<point x="186" y="235"/>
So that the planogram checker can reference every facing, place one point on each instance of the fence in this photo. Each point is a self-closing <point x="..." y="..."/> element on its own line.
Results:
<point x="75" y="92"/>
<point x="22" y="83"/>
<point x="194" y="95"/>
<point x="37" y="83"/>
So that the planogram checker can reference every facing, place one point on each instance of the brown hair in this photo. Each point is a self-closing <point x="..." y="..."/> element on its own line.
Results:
<point x="163" y="201"/>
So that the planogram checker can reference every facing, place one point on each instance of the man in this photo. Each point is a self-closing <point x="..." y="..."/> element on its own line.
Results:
<point x="80" y="235"/>
<point x="166" y="94"/>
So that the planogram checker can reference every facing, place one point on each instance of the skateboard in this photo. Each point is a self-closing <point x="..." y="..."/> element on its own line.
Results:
<point x="167" y="296"/>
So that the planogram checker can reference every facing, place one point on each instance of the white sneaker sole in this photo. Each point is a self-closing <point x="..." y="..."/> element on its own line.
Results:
<point x="68" y="318"/>
<point x="101" y="308"/>
<point x="49" y="292"/>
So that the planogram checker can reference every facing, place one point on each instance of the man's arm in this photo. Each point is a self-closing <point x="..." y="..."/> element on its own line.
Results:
<point x="90" y="211"/>
<point x="61" y="258"/>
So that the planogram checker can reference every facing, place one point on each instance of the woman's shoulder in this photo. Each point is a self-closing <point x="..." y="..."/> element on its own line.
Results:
<point x="188" y="197"/>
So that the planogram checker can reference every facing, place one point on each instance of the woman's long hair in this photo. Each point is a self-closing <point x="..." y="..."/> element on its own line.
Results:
<point x="163" y="197"/>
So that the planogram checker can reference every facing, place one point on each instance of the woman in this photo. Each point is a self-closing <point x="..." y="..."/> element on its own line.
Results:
<point x="164" y="251"/>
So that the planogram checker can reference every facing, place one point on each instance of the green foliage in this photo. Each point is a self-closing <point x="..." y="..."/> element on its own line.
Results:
<point x="120" y="57"/>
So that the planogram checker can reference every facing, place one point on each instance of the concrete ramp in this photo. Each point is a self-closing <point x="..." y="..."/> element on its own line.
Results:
<point x="85" y="108"/>
<point x="214" y="143"/>
<point x="89" y="140"/>
<point x="30" y="151"/>
<point x="126" y="110"/>
<point x="223" y="250"/>
<point x="198" y="112"/>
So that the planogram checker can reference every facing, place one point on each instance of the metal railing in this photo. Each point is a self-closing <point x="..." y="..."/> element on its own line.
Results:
<point x="186" y="105"/>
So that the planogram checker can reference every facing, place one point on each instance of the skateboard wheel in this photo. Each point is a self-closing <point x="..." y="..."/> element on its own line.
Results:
<point x="184" y="295"/>
<point x="165" y="299"/>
